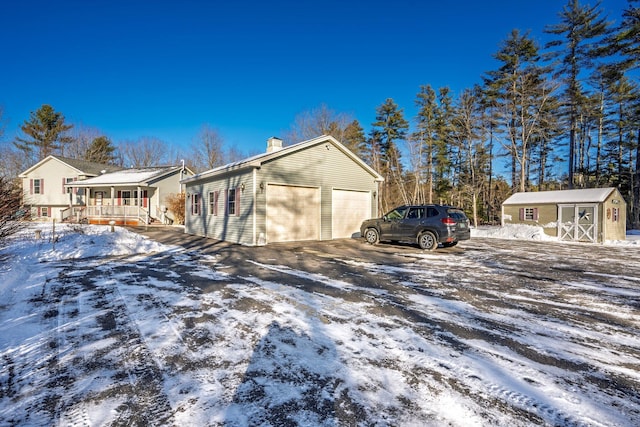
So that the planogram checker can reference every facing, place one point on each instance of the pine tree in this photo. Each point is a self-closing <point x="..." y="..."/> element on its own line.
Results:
<point x="522" y="95"/>
<point x="626" y="42"/>
<point x="443" y="155"/>
<point x="354" y="138"/>
<point x="390" y="127"/>
<point x="581" y="29"/>
<point x="469" y="130"/>
<point x="424" y="138"/>
<point x="45" y="133"/>
<point x="101" y="150"/>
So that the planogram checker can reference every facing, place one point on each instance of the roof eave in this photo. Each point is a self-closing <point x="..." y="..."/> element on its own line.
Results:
<point x="41" y="162"/>
<point x="221" y="171"/>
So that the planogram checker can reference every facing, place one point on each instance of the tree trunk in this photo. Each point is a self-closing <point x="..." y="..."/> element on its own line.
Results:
<point x="635" y="205"/>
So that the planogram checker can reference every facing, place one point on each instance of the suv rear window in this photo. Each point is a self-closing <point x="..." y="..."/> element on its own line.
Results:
<point x="456" y="214"/>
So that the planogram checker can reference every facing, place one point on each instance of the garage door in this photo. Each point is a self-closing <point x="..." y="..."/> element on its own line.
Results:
<point x="293" y="213"/>
<point x="349" y="209"/>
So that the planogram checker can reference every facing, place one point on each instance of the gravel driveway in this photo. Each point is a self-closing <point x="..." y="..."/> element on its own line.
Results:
<point x="490" y="332"/>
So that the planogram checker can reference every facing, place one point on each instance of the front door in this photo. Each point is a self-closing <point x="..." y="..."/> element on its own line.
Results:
<point x="99" y="196"/>
<point x="578" y="222"/>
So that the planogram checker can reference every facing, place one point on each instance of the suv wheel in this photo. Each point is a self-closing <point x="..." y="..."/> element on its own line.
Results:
<point x="427" y="240"/>
<point x="371" y="236"/>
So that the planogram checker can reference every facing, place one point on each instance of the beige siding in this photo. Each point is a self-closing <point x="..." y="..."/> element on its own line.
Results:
<point x="54" y="196"/>
<point x="547" y="217"/>
<point x="160" y="190"/>
<point x="614" y="228"/>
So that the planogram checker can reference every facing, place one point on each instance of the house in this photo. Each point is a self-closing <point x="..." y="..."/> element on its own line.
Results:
<point x="130" y="196"/>
<point x="313" y="190"/>
<point x="45" y="190"/>
<point x="584" y="215"/>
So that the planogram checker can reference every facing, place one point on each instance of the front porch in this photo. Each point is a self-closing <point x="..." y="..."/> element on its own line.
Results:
<point x="121" y="215"/>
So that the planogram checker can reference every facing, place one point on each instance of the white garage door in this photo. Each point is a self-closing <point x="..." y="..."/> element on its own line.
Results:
<point x="293" y="213"/>
<point x="349" y="209"/>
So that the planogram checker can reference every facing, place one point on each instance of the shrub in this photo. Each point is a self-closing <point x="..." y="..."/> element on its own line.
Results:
<point x="13" y="214"/>
<point x="176" y="203"/>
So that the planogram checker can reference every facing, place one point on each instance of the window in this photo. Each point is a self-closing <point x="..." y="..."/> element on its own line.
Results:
<point x="232" y="202"/>
<point x="431" y="212"/>
<point x="415" y="213"/>
<point x="213" y="203"/>
<point x="195" y="204"/>
<point x="397" y="213"/>
<point x="67" y="190"/>
<point x="126" y="197"/>
<point x="44" y="212"/>
<point x="37" y="186"/>
<point x="528" y="214"/>
<point x="616" y="214"/>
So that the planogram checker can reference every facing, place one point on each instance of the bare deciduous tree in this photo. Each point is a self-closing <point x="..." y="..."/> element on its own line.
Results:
<point x="319" y="121"/>
<point x="145" y="152"/>
<point x="12" y="217"/>
<point x="81" y="138"/>
<point x="207" y="151"/>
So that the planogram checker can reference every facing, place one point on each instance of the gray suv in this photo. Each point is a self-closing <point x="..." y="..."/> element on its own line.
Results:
<point x="426" y="225"/>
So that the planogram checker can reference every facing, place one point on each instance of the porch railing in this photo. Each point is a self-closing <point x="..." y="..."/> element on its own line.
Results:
<point x="120" y="212"/>
<point x="74" y="213"/>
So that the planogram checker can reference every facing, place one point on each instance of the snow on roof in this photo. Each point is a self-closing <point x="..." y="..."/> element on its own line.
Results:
<point x="592" y="195"/>
<point x="126" y="176"/>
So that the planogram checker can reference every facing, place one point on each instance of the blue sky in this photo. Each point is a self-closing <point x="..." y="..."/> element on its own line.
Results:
<point x="163" y="69"/>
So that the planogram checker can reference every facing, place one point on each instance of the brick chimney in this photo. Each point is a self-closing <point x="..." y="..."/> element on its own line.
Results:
<point x="274" y="144"/>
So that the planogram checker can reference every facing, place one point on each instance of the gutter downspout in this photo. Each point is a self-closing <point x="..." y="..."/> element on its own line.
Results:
<point x="253" y="214"/>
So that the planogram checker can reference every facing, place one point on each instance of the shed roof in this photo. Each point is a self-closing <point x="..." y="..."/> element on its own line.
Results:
<point x="133" y="176"/>
<point x="257" y="161"/>
<point x="583" y="195"/>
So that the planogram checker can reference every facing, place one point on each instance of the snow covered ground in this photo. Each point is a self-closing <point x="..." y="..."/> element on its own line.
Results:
<point x="100" y="328"/>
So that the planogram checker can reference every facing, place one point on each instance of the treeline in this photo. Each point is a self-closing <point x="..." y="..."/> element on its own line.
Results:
<point x="46" y="132"/>
<point x="559" y="116"/>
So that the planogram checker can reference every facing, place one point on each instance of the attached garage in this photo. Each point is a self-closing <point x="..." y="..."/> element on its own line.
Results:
<point x="293" y="213"/>
<point x="313" y="190"/>
<point x="349" y="209"/>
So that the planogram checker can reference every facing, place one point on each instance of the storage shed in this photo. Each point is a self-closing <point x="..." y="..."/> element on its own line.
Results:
<point x="583" y="215"/>
<point x="313" y="190"/>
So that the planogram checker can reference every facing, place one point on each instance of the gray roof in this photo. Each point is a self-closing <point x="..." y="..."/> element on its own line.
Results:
<point x="82" y="166"/>
<point x="89" y="168"/>
<point x="258" y="160"/>
<point x="583" y="195"/>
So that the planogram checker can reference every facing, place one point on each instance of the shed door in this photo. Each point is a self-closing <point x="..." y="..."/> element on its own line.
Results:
<point x="578" y="222"/>
<point x="293" y="213"/>
<point x="348" y="210"/>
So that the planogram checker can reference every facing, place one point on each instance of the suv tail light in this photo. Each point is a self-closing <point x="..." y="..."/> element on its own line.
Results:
<point x="448" y="221"/>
